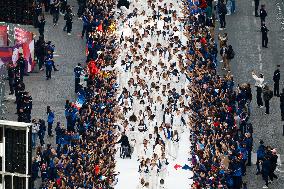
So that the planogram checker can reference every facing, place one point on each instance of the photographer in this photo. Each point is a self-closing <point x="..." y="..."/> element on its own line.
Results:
<point x="259" y="83"/>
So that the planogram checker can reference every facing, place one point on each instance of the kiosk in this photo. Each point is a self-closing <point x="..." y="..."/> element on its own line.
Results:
<point x="15" y="154"/>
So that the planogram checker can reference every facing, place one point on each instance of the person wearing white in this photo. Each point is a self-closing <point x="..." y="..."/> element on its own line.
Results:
<point x="259" y="84"/>
<point x="159" y="149"/>
<point x="145" y="150"/>
<point x="153" y="173"/>
<point x="175" y="143"/>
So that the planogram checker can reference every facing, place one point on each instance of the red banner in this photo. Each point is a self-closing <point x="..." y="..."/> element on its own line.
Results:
<point x="3" y="36"/>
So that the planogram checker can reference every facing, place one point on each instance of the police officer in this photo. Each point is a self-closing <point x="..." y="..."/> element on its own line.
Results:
<point x="262" y="13"/>
<point x="256" y="3"/>
<point x="55" y="12"/>
<point x="282" y="104"/>
<point x="21" y="65"/>
<point x="37" y="13"/>
<point x="27" y="106"/>
<point x="77" y="71"/>
<point x="48" y="66"/>
<point x="20" y="100"/>
<point x="264" y="32"/>
<point x="63" y="6"/>
<point x="69" y="20"/>
<point x="11" y="76"/>
<point x="41" y="26"/>
<point x="49" y="53"/>
<point x="276" y="79"/>
<point x="40" y="52"/>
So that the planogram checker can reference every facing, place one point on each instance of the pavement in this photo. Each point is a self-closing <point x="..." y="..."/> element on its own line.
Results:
<point x="243" y="29"/>
<point x="245" y="37"/>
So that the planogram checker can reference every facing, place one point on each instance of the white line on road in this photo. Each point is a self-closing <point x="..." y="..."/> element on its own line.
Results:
<point x="260" y="62"/>
<point x="253" y="13"/>
<point x="258" y="47"/>
<point x="254" y="20"/>
<point x="252" y="3"/>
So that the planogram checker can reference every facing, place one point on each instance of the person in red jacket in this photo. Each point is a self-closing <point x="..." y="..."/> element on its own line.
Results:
<point x="93" y="69"/>
<point x="100" y="26"/>
<point x="203" y="4"/>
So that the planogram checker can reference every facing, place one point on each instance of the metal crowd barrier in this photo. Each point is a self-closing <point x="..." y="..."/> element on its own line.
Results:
<point x="3" y="77"/>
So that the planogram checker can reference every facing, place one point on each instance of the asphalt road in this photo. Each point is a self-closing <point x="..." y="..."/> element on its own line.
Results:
<point x="243" y="29"/>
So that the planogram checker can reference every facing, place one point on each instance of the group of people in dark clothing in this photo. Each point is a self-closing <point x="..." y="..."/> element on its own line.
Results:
<point x="23" y="100"/>
<point x="44" y="55"/>
<point x="266" y="156"/>
<point x="55" y="8"/>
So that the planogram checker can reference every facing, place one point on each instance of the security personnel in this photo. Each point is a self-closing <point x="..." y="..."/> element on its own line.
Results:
<point x="69" y="21"/>
<point x="40" y="52"/>
<point x="264" y="32"/>
<point x="55" y="12"/>
<point x="11" y="76"/>
<point x="262" y="13"/>
<point x="77" y="71"/>
<point x="276" y="79"/>
<point x="48" y="66"/>
<point x="20" y="100"/>
<point x="41" y="26"/>
<point x="256" y="3"/>
<point x="49" y="53"/>
<point x="27" y="106"/>
<point x="282" y="104"/>
<point x="21" y="65"/>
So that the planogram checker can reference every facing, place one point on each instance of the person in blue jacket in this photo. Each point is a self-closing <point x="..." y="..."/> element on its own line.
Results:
<point x="266" y="166"/>
<point x="48" y="66"/>
<point x="50" y="120"/>
<point x="86" y="20"/>
<point x="260" y="154"/>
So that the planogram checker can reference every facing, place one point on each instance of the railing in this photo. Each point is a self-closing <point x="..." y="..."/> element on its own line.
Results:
<point x="3" y="75"/>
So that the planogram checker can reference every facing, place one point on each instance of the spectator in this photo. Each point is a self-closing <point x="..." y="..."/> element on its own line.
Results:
<point x="260" y="154"/>
<point x="50" y="120"/>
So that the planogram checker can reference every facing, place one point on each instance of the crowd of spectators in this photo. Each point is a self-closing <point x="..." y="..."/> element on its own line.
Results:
<point x="221" y="135"/>
<point x="84" y="156"/>
<point x="192" y="94"/>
